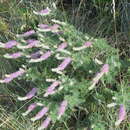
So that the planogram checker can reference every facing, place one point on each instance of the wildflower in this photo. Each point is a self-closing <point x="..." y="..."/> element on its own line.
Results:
<point x="47" y="28"/>
<point x="122" y="115"/>
<point x="63" y="65"/>
<point x="86" y="44"/>
<point x="42" y="57"/>
<point x="54" y="28"/>
<point x="14" y="55"/>
<point x="40" y="114"/>
<point x="51" y="88"/>
<point x="26" y="34"/>
<point x="11" y="76"/>
<point x="62" y="46"/>
<point x="28" y="95"/>
<point x="45" y="123"/>
<point x="44" y="28"/>
<point x="31" y="107"/>
<point x="104" y="70"/>
<point x="43" y="12"/>
<point x="35" y="55"/>
<point x="62" y="109"/>
<point x="8" y="44"/>
<point x="31" y="43"/>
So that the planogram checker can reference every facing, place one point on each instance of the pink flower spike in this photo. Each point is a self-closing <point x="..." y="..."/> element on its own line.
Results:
<point x="10" y="44"/>
<point x="88" y="44"/>
<point x="64" y="64"/>
<point x="44" y="27"/>
<point x="105" y="68"/>
<point x="40" y="114"/>
<point x="6" y="80"/>
<point x="43" y="57"/>
<point x="45" y="123"/>
<point x="35" y="55"/>
<point x="51" y="88"/>
<point x="27" y="34"/>
<point x="31" y="43"/>
<point x="62" y="46"/>
<point x="28" y="95"/>
<point x="13" y="56"/>
<point x="17" y="73"/>
<point x="43" y="12"/>
<point x="122" y="115"/>
<point x="55" y="28"/>
<point x="62" y="109"/>
<point x="11" y="76"/>
<point x="30" y="108"/>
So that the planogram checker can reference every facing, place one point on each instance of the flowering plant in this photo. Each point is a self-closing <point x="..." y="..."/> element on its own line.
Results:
<point x="62" y="64"/>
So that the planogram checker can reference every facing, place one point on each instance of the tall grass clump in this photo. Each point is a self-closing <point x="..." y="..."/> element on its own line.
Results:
<point x="69" y="80"/>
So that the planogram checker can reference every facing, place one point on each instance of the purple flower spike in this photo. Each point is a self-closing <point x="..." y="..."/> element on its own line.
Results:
<point x="44" y="27"/>
<point x="43" y="12"/>
<point x="51" y="88"/>
<point x="10" y="44"/>
<point x="45" y="123"/>
<point x="11" y="76"/>
<point x="28" y="95"/>
<point x="62" y="46"/>
<point x="46" y="55"/>
<point x="6" y="80"/>
<point x="30" y="108"/>
<point x="64" y="64"/>
<point x="122" y="115"/>
<point x="43" y="57"/>
<point x="105" y="68"/>
<point x="40" y="114"/>
<point x="62" y="109"/>
<point x="13" y="56"/>
<point x="36" y="55"/>
<point x="31" y="43"/>
<point x="88" y="44"/>
<point x="17" y="73"/>
<point x="27" y="34"/>
<point x="55" y="28"/>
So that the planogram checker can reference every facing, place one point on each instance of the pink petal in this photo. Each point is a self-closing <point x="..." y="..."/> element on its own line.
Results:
<point x="14" y="55"/>
<point x="36" y="55"/>
<point x="40" y="114"/>
<point x="54" y="27"/>
<point x="28" y="95"/>
<point x="43" y="26"/>
<point x="28" y="33"/>
<point x="10" y="44"/>
<point x="62" y="108"/>
<point x="51" y="88"/>
<point x="62" y="46"/>
<point x="17" y="73"/>
<point x="105" y="68"/>
<point x="46" y="55"/>
<point x="64" y="64"/>
<point x="45" y="123"/>
<point x="44" y="12"/>
<point x="122" y="115"/>
<point x="87" y="44"/>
